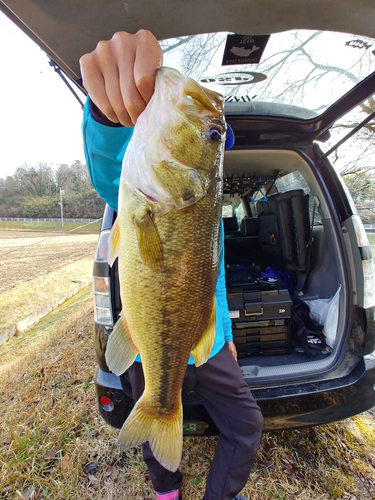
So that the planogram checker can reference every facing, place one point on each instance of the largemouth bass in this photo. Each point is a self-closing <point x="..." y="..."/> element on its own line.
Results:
<point x="167" y="240"/>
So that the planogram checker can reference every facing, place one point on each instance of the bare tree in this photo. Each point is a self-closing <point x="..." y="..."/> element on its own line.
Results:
<point x="73" y="178"/>
<point x="298" y="66"/>
<point x="37" y="180"/>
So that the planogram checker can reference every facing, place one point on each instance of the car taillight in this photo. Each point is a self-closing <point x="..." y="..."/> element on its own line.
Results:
<point x="367" y="265"/>
<point x="102" y="301"/>
<point x="101" y="285"/>
<point x="102" y="248"/>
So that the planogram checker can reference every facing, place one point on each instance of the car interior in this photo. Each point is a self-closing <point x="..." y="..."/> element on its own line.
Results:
<point x="276" y="216"/>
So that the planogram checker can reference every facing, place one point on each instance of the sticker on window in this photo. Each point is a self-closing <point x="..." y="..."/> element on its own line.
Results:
<point x="244" y="49"/>
<point x="234" y="314"/>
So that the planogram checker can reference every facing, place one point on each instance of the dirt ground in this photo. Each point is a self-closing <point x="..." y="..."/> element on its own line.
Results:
<point x="28" y="255"/>
<point x="7" y="234"/>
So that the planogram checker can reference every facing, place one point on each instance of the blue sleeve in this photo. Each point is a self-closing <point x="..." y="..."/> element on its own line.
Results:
<point x="221" y="292"/>
<point x="104" y="150"/>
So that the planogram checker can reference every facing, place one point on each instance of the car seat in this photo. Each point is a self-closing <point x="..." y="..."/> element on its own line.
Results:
<point x="284" y="229"/>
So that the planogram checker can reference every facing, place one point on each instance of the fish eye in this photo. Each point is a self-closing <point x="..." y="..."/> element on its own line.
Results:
<point x="214" y="134"/>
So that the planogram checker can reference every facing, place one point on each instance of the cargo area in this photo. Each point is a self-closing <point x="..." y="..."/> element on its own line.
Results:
<point x="281" y="252"/>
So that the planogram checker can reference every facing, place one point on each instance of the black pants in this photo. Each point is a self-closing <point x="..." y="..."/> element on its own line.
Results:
<point x="220" y="386"/>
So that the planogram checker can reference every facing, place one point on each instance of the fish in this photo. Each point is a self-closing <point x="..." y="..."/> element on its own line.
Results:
<point x="167" y="240"/>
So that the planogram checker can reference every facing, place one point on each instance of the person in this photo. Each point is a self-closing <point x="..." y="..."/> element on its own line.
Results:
<point x="119" y="76"/>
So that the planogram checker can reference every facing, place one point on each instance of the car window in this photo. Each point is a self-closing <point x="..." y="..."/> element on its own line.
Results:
<point x="301" y="73"/>
<point x="353" y="160"/>
<point x="239" y="212"/>
<point x="227" y="211"/>
<point x="291" y="181"/>
<point x="253" y="200"/>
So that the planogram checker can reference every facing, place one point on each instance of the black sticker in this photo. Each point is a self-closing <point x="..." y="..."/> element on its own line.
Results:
<point x="244" y="49"/>
<point x="358" y="44"/>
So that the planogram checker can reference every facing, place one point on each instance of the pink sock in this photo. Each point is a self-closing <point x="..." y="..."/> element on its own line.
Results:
<point x="172" y="495"/>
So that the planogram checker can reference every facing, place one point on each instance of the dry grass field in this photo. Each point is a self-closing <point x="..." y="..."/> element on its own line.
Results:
<point x="77" y="227"/>
<point x="31" y="255"/>
<point x="39" y="271"/>
<point x="54" y="445"/>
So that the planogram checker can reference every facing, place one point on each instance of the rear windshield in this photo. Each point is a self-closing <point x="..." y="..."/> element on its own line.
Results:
<point x="300" y="72"/>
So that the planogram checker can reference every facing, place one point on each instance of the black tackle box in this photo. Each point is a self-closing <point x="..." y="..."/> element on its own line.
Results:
<point x="261" y="321"/>
<point x="241" y="275"/>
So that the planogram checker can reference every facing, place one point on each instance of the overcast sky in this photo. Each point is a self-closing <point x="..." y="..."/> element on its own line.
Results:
<point x="40" y="118"/>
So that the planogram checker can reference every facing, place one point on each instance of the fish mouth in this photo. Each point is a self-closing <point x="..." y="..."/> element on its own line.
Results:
<point x="189" y="92"/>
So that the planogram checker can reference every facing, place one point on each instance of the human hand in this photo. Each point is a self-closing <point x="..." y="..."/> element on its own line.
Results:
<point x="120" y="73"/>
<point x="233" y="350"/>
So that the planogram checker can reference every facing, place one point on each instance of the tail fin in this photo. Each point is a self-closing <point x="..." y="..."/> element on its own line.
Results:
<point x="164" y="434"/>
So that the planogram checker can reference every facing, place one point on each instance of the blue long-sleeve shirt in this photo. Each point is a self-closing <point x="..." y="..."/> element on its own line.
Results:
<point x="104" y="151"/>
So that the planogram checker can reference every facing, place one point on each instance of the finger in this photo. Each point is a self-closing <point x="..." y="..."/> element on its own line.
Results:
<point x="113" y="90"/>
<point x="97" y="91"/>
<point x="132" y="99"/>
<point x="234" y="351"/>
<point x="149" y="57"/>
<point x="106" y="59"/>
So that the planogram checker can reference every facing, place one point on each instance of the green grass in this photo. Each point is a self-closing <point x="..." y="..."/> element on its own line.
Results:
<point x="75" y="227"/>
<point x="371" y="238"/>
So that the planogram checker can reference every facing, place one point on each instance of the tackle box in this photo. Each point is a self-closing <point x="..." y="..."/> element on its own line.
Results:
<point x="261" y="321"/>
<point x="241" y="274"/>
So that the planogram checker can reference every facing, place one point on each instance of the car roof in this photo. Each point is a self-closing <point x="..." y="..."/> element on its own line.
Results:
<point x="68" y="29"/>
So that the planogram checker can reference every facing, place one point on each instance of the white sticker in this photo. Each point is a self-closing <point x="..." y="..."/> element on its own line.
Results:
<point x="234" y="314"/>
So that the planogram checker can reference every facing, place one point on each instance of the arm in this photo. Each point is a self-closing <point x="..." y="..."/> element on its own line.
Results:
<point x="221" y="297"/>
<point x="104" y="147"/>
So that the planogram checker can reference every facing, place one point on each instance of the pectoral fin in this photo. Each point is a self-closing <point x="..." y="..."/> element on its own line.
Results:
<point x="121" y="351"/>
<point x="114" y="243"/>
<point x="203" y="349"/>
<point x="150" y="247"/>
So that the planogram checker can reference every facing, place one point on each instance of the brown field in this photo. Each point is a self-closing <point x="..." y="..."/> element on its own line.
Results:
<point x="54" y="445"/>
<point x="38" y="270"/>
<point x="26" y="256"/>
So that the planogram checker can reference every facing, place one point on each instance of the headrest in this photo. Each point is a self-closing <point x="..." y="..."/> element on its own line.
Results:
<point x="249" y="226"/>
<point x="230" y="224"/>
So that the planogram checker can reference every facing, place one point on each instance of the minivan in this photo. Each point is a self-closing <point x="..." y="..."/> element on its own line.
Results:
<point x="293" y="237"/>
